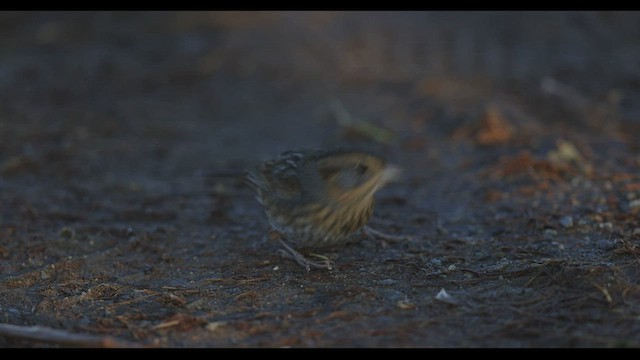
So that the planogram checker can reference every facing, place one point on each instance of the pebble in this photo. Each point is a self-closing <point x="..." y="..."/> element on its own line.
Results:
<point x="606" y="244"/>
<point x="583" y="222"/>
<point x="436" y="261"/>
<point x="214" y="326"/>
<point x="444" y="296"/>
<point x="548" y="233"/>
<point x="607" y="225"/>
<point x="566" y="221"/>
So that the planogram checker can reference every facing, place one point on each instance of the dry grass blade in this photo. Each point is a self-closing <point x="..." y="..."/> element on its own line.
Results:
<point x="604" y="292"/>
<point x="359" y="127"/>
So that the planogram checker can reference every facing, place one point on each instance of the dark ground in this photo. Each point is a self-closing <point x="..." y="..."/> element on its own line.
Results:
<point x="122" y="213"/>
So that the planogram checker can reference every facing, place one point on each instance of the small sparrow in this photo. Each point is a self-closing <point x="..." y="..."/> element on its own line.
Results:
<point x="320" y="198"/>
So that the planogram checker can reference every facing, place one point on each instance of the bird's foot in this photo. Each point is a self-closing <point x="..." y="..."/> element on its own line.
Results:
<point x="291" y="253"/>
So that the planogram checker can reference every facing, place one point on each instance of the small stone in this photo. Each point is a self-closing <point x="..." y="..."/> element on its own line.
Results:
<point x="606" y="244"/>
<point x="444" y="296"/>
<point x="213" y="326"/>
<point x="438" y="262"/>
<point x="198" y="305"/>
<point x="636" y="232"/>
<point x="566" y="221"/>
<point x="548" y="233"/>
<point x="583" y="222"/>
<point x="634" y="203"/>
<point x="451" y="267"/>
<point x="44" y="275"/>
<point x="405" y="304"/>
<point x="608" y="185"/>
<point x="607" y="226"/>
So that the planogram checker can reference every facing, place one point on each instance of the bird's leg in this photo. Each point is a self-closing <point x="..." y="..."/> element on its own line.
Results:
<point x="368" y="231"/>
<point x="303" y="261"/>
<point x="291" y="253"/>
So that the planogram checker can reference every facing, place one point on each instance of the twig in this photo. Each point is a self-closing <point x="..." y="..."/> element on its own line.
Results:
<point x="64" y="338"/>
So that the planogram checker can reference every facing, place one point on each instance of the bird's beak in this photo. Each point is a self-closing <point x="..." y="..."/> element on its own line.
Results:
<point x="391" y="172"/>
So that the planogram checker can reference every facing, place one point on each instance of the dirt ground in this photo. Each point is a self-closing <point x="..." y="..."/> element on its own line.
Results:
<point x="124" y="219"/>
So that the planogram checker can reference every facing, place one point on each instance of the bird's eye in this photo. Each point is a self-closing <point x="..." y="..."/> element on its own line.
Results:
<point x="361" y="169"/>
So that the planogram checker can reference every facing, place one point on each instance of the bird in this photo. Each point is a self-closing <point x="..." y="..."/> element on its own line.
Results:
<point x="320" y="198"/>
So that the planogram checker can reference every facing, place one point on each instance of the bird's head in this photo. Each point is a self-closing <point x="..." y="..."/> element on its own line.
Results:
<point x="351" y="176"/>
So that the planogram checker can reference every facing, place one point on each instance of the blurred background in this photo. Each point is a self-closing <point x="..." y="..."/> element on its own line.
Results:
<point x="195" y="89"/>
